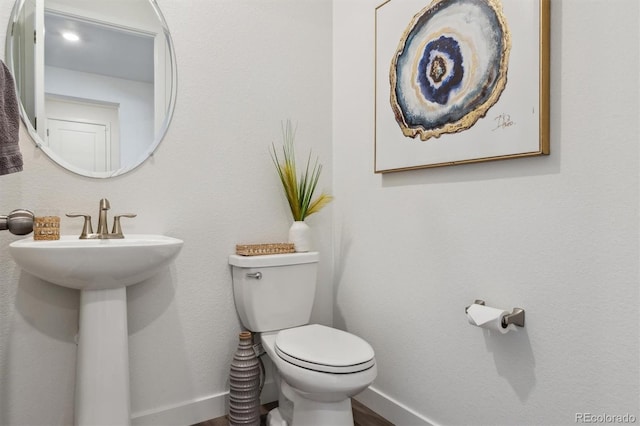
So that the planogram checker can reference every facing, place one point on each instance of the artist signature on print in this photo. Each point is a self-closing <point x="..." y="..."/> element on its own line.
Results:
<point x="503" y="121"/>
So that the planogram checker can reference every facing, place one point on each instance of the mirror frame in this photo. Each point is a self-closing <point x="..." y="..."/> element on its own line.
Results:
<point x="56" y="158"/>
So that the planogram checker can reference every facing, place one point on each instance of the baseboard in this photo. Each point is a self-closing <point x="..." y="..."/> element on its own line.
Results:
<point x="391" y="409"/>
<point x="195" y="411"/>
<point x="212" y="406"/>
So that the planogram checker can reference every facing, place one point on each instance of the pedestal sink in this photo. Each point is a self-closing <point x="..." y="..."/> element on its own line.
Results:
<point x="101" y="270"/>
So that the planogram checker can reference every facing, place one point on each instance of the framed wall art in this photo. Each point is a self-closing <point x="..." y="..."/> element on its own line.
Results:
<point x="460" y="81"/>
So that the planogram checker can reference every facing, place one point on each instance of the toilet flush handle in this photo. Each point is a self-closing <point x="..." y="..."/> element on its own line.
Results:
<point x="256" y="275"/>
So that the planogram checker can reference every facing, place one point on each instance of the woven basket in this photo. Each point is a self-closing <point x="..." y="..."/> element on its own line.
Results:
<point x="262" y="249"/>
<point x="46" y="228"/>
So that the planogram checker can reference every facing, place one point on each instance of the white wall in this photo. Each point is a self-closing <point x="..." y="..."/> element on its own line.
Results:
<point x="557" y="236"/>
<point x="243" y="67"/>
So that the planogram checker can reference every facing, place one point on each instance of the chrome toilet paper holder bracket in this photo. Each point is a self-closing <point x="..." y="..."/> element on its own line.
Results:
<point x="516" y="317"/>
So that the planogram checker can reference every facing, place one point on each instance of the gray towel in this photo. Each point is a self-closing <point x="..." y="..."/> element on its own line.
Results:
<point x="10" y="156"/>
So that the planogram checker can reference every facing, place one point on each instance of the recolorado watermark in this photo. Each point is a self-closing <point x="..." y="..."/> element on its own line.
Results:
<point x="605" y="418"/>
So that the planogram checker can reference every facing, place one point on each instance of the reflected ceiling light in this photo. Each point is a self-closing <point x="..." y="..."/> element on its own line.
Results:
<point x="70" y="36"/>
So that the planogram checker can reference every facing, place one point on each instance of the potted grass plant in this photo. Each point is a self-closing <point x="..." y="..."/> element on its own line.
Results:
<point x="298" y="189"/>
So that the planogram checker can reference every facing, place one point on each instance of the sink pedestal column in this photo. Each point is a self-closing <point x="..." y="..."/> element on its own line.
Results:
<point x="102" y="375"/>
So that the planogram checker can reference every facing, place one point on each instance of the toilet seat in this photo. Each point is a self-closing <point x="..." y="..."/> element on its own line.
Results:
<point x="324" y="349"/>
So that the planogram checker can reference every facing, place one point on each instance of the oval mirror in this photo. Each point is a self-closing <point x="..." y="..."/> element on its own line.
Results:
<point x="96" y="80"/>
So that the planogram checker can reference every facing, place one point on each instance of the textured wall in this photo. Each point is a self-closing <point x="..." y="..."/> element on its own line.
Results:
<point x="243" y="67"/>
<point x="557" y="236"/>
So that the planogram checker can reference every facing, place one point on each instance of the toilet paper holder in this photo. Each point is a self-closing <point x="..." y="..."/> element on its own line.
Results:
<point x="516" y="317"/>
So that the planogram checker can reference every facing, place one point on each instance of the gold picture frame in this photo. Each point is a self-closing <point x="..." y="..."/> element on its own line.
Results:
<point x="455" y="82"/>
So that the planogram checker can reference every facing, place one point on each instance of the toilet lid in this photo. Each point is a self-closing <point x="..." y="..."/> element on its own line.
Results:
<point x="320" y="348"/>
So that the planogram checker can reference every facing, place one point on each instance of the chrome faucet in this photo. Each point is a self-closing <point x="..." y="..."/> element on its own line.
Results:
<point x="103" y="232"/>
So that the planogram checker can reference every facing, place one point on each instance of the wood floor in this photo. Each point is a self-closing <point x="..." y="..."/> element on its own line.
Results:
<point x="362" y="416"/>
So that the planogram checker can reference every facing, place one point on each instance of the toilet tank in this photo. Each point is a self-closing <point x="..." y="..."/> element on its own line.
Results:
<point x="274" y="292"/>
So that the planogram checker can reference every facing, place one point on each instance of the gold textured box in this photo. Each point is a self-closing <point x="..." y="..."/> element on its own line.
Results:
<point x="46" y="228"/>
<point x="262" y="249"/>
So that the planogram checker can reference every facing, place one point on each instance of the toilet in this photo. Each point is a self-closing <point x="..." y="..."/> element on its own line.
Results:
<point x="318" y="368"/>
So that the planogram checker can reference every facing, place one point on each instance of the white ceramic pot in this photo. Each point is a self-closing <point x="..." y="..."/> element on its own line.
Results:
<point x="300" y="236"/>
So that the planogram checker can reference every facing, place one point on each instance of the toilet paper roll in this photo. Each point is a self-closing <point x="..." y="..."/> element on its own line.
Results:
<point x="487" y="317"/>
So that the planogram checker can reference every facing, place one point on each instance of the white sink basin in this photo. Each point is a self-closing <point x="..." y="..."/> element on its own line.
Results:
<point x="95" y="264"/>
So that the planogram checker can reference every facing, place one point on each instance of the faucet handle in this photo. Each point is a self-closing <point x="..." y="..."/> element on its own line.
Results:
<point x="117" y="229"/>
<point x="87" y="228"/>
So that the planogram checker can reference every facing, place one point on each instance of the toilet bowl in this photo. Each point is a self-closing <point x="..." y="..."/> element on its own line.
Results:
<point x="318" y="368"/>
<point x="323" y="368"/>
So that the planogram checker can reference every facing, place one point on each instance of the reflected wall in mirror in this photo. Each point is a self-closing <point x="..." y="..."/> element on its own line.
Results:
<point x="96" y="80"/>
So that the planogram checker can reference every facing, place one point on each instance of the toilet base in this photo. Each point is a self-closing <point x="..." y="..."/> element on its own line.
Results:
<point x="307" y="412"/>
<point x="315" y="416"/>
<point x="275" y="419"/>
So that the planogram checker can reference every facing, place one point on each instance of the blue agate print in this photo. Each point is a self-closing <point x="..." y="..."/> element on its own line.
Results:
<point x="450" y="67"/>
<point x="440" y="70"/>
